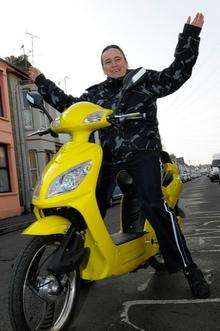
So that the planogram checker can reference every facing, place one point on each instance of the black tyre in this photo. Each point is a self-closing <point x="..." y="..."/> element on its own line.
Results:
<point x="37" y="299"/>
<point x="86" y="283"/>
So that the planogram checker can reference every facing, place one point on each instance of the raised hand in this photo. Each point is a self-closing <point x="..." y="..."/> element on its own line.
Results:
<point x="197" y="21"/>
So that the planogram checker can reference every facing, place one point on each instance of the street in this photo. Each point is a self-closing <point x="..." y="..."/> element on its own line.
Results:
<point x="146" y="300"/>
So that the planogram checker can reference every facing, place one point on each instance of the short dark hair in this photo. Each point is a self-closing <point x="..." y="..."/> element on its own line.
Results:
<point x="113" y="46"/>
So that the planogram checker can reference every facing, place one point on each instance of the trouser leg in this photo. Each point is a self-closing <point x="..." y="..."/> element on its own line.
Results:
<point x="146" y="173"/>
<point x="105" y="187"/>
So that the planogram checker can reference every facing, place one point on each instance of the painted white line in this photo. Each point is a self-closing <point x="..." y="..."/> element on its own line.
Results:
<point x="207" y="230"/>
<point x="208" y="250"/>
<point x="125" y="318"/>
<point x="190" y="216"/>
<point x="214" y="221"/>
<point x="128" y="304"/>
<point x="199" y="235"/>
<point x="143" y="286"/>
<point x="203" y="217"/>
<point x="206" y="212"/>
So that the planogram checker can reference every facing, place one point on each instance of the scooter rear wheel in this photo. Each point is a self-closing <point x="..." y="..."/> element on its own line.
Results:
<point x="38" y="299"/>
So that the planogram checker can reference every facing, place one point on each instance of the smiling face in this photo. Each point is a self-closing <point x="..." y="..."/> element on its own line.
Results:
<point x="114" y="63"/>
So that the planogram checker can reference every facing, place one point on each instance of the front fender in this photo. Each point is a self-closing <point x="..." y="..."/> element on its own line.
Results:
<point x="47" y="226"/>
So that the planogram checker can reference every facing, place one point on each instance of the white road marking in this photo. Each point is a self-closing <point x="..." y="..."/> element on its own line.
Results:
<point x="205" y="217"/>
<point x="206" y="212"/>
<point x="208" y="273"/>
<point x="128" y="304"/>
<point x="214" y="221"/>
<point x="143" y="286"/>
<point x="199" y="235"/>
<point x="208" y="250"/>
<point x="208" y="230"/>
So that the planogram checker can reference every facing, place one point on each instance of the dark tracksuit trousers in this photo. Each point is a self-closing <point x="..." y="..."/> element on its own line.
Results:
<point x="146" y="171"/>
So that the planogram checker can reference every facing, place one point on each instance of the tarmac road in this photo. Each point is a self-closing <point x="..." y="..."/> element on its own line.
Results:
<point x="146" y="300"/>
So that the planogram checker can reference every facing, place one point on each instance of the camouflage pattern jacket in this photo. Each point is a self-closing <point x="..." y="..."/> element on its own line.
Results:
<point x="122" y="143"/>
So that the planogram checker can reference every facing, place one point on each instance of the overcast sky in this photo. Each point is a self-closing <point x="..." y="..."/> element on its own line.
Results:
<point x="72" y="34"/>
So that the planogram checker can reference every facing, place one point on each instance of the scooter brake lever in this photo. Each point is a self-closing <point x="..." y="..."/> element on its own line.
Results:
<point x="113" y="120"/>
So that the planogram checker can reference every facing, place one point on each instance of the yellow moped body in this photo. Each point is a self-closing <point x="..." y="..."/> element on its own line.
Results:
<point x="108" y="255"/>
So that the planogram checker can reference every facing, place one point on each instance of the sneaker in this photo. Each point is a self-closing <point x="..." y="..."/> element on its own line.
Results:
<point x="197" y="283"/>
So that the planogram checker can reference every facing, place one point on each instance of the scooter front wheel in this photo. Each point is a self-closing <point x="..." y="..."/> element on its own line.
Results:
<point x="37" y="299"/>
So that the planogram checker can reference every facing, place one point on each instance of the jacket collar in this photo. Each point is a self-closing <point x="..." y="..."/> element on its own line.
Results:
<point x="116" y="82"/>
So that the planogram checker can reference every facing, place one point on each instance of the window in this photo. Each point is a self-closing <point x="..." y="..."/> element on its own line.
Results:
<point x="57" y="147"/>
<point x="27" y="111"/>
<point x="1" y="105"/>
<point x="33" y="166"/>
<point x="44" y="123"/>
<point x="4" y="170"/>
<point x="48" y="156"/>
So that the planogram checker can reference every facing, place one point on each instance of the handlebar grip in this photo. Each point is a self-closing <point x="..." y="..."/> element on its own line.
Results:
<point x="117" y="119"/>
<point x="53" y="134"/>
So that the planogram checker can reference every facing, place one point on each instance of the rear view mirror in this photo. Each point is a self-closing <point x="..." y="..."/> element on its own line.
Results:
<point x="132" y="78"/>
<point x="35" y="100"/>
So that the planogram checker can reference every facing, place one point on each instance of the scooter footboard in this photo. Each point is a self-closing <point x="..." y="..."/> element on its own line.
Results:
<point x="47" y="226"/>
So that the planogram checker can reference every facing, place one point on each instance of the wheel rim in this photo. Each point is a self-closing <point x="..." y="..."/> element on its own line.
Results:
<point x="68" y="304"/>
<point x="55" y="311"/>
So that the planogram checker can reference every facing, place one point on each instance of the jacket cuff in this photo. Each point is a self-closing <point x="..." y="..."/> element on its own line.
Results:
<point x="191" y="30"/>
<point x="40" y="79"/>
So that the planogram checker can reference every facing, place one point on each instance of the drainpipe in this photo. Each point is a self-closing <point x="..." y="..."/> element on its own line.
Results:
<point x="26" y="186"/>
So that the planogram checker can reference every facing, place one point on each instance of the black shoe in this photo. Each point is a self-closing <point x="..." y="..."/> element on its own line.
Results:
<point x="197" y="283"/>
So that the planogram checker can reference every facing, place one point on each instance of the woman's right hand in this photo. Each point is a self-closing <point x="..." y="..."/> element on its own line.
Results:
<point x="33" y="73"/>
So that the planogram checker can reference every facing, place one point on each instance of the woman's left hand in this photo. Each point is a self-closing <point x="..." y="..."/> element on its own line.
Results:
<point x="197" y="21"/>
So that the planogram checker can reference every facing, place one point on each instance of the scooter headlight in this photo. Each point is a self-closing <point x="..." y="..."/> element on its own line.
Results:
<point x="69" y="180"/>
<point x="94" y="117"/>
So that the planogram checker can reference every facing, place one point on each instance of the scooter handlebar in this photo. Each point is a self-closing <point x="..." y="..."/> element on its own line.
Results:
<point x="43" y="132"/>
<point x="118" y="119"/>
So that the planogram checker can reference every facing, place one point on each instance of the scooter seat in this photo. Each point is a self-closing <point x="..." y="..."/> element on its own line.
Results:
<point x="121" y="237"/>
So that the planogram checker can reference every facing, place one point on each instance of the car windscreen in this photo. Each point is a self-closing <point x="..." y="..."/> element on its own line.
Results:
<point x="216" y="163"/>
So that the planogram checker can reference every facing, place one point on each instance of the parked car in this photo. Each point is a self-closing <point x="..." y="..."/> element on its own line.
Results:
<point x="214" y="174"/>
<point x="185" y="176"/>
<point x="215" y="168"/>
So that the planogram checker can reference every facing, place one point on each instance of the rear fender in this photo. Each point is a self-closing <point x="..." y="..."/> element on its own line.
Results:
<point x="47" y="226"/>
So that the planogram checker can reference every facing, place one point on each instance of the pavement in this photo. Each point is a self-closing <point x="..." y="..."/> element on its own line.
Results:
<point x="16" y="223"/>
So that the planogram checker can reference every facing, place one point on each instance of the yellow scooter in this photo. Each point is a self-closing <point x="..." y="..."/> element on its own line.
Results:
<point x="70" y="240"/>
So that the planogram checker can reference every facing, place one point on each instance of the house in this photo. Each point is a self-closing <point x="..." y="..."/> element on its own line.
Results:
<point x="9" y="192"/>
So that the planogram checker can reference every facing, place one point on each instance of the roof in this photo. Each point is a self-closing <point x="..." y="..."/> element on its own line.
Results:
<point x="14" y="69"/>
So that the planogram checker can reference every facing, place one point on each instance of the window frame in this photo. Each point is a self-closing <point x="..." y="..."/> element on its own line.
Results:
<point x="6" y="167"/>
<point x="48" y="155"/>
<point x="27" y="110"/>
<point x="2" y="113"/>
<point x="33" y="170"/>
